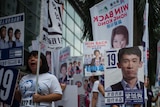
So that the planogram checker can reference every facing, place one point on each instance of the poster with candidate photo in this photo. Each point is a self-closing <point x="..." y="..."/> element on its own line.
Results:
<point x="12" y="40"/>
<point x="93" y="55"/>
<point x="113" y="20"/>
<point x="64" y="55"/>
<point x="74" y="66"/>
<point x="124" y="76"/>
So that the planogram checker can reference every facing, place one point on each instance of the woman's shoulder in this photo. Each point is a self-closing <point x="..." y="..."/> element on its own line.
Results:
<point x="47" y="74"/>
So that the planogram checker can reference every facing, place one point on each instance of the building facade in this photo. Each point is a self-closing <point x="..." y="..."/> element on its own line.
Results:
<point x="72" y="22"/>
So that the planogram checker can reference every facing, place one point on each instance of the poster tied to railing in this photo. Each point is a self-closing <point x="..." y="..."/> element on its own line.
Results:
<point x="12" y="40"/>
<point x="113" y="20"/>
<point x="94" y="57"/>
<point x="124" y="76"/>
<point x="52" y="23"/>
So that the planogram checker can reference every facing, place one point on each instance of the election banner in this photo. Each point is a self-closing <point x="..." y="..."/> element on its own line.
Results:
<point x="12" y="40"/>
<point x="157" y="81"/>
<point x="112" y="20"/>
<point x="52" y="24"/>
<point x="94" y="57"/>
<point x="8" y="79"/>
<point x="146" y="38"/>
<point x="64" y="54"/>
<point x="121" y="67"/>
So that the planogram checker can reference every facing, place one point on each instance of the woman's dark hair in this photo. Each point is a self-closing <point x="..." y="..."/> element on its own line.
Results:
<point x="44" y="67"/>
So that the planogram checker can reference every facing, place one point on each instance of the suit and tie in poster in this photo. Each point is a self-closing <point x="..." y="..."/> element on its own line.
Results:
<point x="124" y="76"/>
<point x="12" y="40"/>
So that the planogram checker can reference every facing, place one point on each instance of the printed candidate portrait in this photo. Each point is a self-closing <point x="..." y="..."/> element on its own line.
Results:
<point x="120" y="37"/>
<point x="124" y="76"/>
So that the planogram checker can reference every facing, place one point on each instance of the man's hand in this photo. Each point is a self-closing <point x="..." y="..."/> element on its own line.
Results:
<point x="158" y="94"/>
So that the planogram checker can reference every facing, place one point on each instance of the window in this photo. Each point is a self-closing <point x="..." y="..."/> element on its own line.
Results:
<point x="77" y="43"/>
<point x="70" y="23"/>
<point x="76" y="53"/>
<point x="70" y="10"/>
<point x="70" y="36"/>
<point x="77" y="19"/>
<point x="77" y="31"/>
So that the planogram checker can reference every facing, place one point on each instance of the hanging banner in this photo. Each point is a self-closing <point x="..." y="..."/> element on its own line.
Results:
<point x="52" y="24"/>
<point x="157" y="81"/>
<point x="12" y="40"/>
<point x="112" y="20"/>
<point x="146" y="38"/>
<point x="121" y="67"/>
<point x="93" y="52"/>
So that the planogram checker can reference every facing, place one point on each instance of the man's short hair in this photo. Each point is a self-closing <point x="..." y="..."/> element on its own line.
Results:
<point x="17" y="31"/>
<point x="10" y="28"/>
<point x="96" y="77"/>
<point x="128" y="51"/>
<point x="3" y="27"/>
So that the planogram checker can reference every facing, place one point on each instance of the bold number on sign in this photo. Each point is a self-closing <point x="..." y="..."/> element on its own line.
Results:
<point x="1" y="75"/>
<point x="111" y="59"/>
<point x="6" y="84"/>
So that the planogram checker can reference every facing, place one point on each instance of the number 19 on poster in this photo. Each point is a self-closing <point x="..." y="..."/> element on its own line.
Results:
<point x="111" y="61"/>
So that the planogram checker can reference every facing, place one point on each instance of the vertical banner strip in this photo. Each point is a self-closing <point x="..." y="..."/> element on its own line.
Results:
<point x="146" y="39"/>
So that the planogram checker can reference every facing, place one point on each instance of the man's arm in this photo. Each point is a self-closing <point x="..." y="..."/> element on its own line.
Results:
<point x="101" y="89"/>
<point x="154" y="99"/>
<point x="94" y="99"/>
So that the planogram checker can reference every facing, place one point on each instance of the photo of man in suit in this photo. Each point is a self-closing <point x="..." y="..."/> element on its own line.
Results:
<point x="129" y="61"/>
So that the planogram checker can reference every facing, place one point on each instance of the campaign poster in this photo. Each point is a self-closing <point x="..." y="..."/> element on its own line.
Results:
<point x="64" y="55"/>
<point x="12" y="40"/>
<point x="113" y="20"/>
<point x="124" y="76"/>
<point x="74" y="66"/>
<point x="52" y="23"/>
<point x="8" y="80"/>
<point x="93" y="55"/>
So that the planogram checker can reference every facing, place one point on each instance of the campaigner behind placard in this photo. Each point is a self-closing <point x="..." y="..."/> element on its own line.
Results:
<point x="128" y="91"/>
